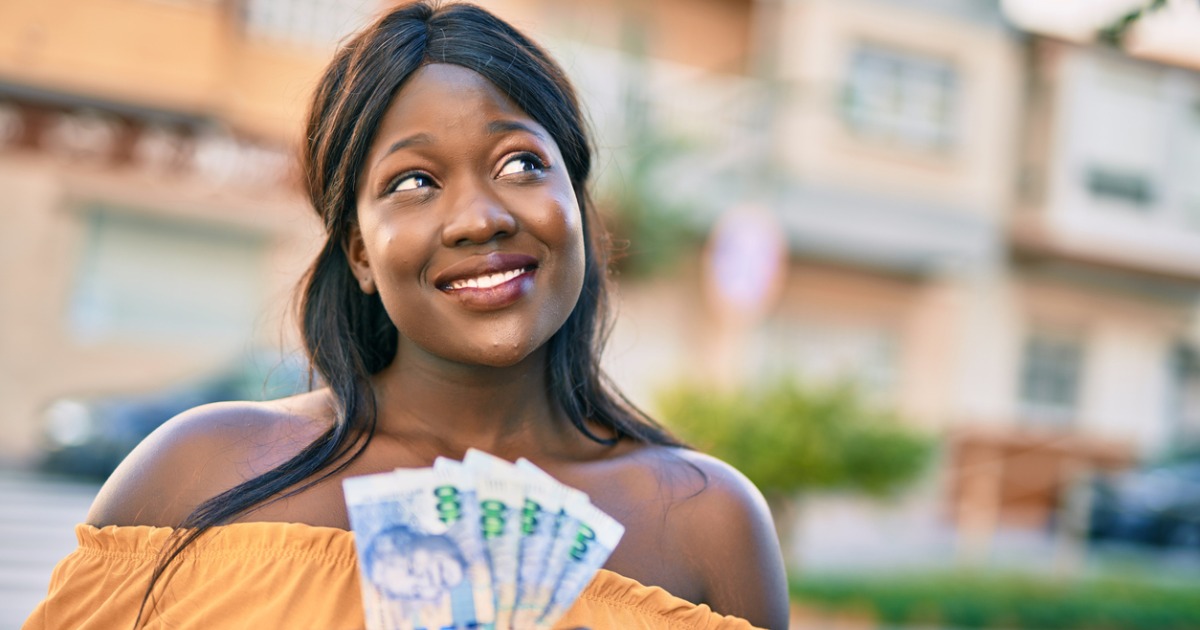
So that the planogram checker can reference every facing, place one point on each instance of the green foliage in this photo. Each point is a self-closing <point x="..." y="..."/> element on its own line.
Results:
<point x="977" y="600"/>
<point x="1114" y="34"/>
<point x="788" y="438"/>
<point x="652" y="230"/>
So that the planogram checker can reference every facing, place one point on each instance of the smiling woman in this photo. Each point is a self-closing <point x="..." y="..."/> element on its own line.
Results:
<point x="467" y="225"/>
<point x="458" y="302"/>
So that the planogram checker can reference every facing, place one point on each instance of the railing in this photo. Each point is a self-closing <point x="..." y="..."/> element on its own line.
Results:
<point x="316" y="23"/>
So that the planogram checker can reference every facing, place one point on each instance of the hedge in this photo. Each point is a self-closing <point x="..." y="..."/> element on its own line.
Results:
<point x="988" y="600"/>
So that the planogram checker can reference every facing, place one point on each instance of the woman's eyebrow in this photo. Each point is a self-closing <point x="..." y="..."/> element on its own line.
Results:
<point x="415" y="139"/>
<point x="504" y="126"/>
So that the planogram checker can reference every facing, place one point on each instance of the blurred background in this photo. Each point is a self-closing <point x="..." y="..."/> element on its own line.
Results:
<point x="926" y="270"/>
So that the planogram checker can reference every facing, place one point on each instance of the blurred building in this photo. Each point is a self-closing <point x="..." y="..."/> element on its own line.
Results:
<point x="883" y="136"/>
<point x="1103" y="268"/>
<point x="990" y="229"/>
<point x="154" y="227"/>
<point x="1106" y="227"/>
<point x="155" y="224"/>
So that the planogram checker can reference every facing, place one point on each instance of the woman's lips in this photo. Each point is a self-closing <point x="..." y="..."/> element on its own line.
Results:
<point x="476" y="267"/>
<point x="494" y="297"/>
<point x="489" y="282"/>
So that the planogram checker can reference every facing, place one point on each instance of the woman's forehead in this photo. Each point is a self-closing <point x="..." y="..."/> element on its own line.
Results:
<point x="441" y="96"/>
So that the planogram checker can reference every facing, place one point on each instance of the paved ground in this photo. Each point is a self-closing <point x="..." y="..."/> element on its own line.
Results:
<point x="846" y="533"/>
<point x="36" y="531"/>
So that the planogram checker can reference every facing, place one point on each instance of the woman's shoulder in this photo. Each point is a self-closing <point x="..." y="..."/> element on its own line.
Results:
<point x="703" y="489"/>
<point x="695" y="479"/>
<point x="718" y="523"/>
<point x="203" y="452"/>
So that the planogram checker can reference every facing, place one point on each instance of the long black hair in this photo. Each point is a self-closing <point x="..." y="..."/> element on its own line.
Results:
<point x="347" y="334"/>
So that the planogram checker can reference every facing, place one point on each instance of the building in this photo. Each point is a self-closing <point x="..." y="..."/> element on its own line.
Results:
<point x="990" y="229"/>
<point x="889" y="143"/>
<point x="154" y="226"/>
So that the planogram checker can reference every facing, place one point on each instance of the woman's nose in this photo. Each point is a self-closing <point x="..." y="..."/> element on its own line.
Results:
<point x="477" y="216"/>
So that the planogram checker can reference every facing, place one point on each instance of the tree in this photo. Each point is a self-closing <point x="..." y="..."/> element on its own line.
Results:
<point x="790" y="439"/>
<point x="1115" y="33"/>
<point x="652" y="230"/>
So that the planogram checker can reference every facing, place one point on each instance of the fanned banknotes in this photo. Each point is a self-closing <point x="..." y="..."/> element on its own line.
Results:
<point x="478" y="544"/>
<point x="420" y="552"/>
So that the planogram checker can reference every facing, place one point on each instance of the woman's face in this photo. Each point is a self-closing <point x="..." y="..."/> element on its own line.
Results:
<point x="468" y="226"/>
<point x="423" y="572"/>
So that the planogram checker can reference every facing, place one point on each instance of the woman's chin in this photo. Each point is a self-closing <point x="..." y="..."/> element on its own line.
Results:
<point x="496" y="354"/>
<point x="501" y="358"/>
<point x="477" y="346"/>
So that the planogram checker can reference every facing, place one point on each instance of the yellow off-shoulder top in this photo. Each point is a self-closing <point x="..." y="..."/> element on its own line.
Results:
<point x="265" y="576"/>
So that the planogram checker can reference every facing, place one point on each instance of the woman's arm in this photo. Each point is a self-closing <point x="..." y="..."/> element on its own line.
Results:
<point x="191" y="458"/>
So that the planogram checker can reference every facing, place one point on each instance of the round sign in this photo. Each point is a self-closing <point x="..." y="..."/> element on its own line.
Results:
<point x="745" y="263"/>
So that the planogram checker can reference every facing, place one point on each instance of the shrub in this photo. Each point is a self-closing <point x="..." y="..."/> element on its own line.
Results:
<point x="789" y="438"/>
<point x="976" y="600"/>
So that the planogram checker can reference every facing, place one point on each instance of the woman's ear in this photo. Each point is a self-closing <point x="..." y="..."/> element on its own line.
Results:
<point x="356" y="255"/>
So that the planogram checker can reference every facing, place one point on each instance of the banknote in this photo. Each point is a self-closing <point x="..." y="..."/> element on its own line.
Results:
<point x="466" y="499"/>
<point x="596" y="535"/>
<point x="545" y="498"/>
<point x="501" y="492"/>
<point x="560" y="549"/>
<point x="421" y="556"/>
<point x="477" y="544"/>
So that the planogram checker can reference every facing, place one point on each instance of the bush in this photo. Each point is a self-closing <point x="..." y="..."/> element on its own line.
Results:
<point x="975" y="600"/>
<point x="788" y="438"/>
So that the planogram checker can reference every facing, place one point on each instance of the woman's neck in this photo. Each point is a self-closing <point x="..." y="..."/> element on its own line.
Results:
<point x="441" y="407"/>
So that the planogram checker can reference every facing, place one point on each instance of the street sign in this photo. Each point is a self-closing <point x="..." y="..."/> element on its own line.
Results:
<point x="745" y="263"/>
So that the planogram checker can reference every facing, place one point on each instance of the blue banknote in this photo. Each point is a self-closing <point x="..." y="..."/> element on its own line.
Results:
<point x="421" y="554"/>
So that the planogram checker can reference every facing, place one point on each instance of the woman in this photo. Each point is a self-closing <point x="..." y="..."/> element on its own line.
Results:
<point x="458" y="302"/>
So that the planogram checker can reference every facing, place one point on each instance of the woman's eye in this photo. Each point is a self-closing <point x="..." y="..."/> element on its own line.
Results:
<point x="523" y="163"/>
<point x="411" y="181"/>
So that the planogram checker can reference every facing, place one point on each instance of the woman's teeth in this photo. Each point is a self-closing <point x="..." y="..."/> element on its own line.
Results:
<point x="488" y="281"/>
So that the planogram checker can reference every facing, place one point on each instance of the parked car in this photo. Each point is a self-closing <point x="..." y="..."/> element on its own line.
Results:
<point x="1157" y="505"/>
<point x="89" y="436"/>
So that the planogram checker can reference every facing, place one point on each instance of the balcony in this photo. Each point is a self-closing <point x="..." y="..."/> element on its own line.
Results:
<point x="232" y="61"/>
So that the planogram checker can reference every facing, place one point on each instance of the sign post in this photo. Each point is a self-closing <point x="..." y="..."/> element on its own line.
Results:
<point x="745" y="264"/>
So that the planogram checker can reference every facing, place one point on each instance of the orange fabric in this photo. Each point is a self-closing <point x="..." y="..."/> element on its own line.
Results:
<point x="284" y="575"/>
<point x="615" y="601"/>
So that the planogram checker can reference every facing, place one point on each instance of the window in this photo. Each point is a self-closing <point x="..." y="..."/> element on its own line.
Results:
<point x="901" y="97"/>
<point x="1185" y="381"/>
<point x="1126" y="187"/>
<point x="319" y="23"/>
<point x="1191" y="213"/>
<point x="1187" y="164"/>
<point x="1117" y="131"/>
<point x="153" y="279"/>
<point x="1051" y="370"/>
<point x="829" y="352"/>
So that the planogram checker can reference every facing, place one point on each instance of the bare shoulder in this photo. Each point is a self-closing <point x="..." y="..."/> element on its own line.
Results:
<point x="721" y="521"/>
<point x="203" y="452"/>
<point x="707" y="490"/>
<point x="716" y="484"/>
